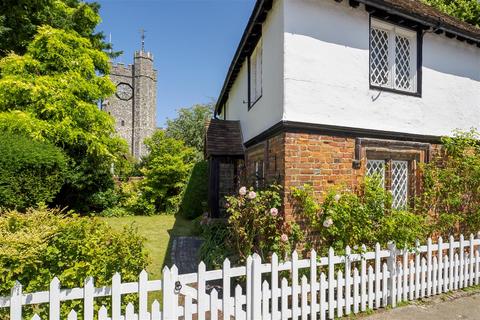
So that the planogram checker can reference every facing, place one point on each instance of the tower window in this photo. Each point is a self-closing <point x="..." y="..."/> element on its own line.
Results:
<point x="122" y="123"/>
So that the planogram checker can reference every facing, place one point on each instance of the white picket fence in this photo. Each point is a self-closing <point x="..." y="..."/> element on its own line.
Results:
<point x="328" y="287"/>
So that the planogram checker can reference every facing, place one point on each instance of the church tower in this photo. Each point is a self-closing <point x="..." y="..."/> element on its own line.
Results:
<point x="133" y="106"/>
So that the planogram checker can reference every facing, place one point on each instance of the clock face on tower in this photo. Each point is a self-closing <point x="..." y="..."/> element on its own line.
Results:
<point x="124" y="91"/>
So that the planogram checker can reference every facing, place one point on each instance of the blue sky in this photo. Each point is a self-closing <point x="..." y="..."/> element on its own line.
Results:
<point x="193" y="43"/>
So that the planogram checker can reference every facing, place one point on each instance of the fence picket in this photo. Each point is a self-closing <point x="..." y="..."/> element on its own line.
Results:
<point x="477" y="266"/>
<point x="423" y="280"/>
<point x="461" y="262"/>
<point x="446" y="267"/>
<point x="440" y="283"/>
<point x="385" y="276"/>
<point x="284" y="299"/>
<point x="371" y="294"/>
<point x="156" y="315"/>
<point x="201" y="295"/>
<point x="88" y="291"/>
<point x="429" y="267"/>
<point x="399" y="281"/>
<point x="411" y="281"/>
<point x="103" y="314"/>
<point x="456" y="266"/>
<point x="129" y="312"/>
<point x="16" y="302"/>
<point x="226" y="309"/>
<point x="295" y="287"/>
<point x="313" y="283"/>
<point x="377" y="275"/>
<point x="238" y="302"/>
<point x="391" y="263"/>
<point x="356" y="296"/>
<point x="72" y="315"/>
<point x="36" y="317"/>
<point x="417" y="274"/>
<point x="304" y="298"/>
<point x="322" y="296"/>
<point x="331" y="279"/>
<point x="248" y="293"/>
<point x="214" y="305"/>
<point x="451" y="263"/>
<point x="142" y="295"/>
<point x="434" y="275"/>
<point x="405" y="274"/>
<point x="265" y="300"/>
<point x="363" y="282"/>
<point x="54" y="299"/>
<point x="256" y="287"/>
<point x="116" y="296"/>
<point x="274" y="286"/>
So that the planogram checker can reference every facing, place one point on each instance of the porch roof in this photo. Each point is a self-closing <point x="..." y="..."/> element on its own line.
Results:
<point x="223" y="138"/>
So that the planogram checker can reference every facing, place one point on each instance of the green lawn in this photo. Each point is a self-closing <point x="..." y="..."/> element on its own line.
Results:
<point x="158" y="232"/>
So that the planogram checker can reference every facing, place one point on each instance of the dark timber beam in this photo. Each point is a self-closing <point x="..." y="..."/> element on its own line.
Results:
<point x="353" y="3"/>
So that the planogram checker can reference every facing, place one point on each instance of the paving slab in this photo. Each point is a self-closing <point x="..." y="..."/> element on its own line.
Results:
<point x="184" y="253"/>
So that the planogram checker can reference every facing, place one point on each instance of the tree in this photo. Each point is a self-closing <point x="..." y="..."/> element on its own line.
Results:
<point x="465" y="10"/>
<point x="50" y="93"/>
<point x="166" y="170"/>
<point x="20" y="20"/>
<point x="189" y="126"/>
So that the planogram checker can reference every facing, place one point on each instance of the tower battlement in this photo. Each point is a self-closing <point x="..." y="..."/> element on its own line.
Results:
<point x="133" y="106"/>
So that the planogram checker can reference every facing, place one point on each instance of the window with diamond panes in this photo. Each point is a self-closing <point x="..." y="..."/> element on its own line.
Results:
<point x="399" y="179"/>
<point x="393" y="60"/>
<point x="376" y="168"/>
<point x="399" y="184"/>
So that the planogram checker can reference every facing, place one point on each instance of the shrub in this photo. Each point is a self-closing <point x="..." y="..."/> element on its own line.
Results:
<point x="31" y="172"/>
<point x="255" y="225"/>
<point x="452" y="186"/>
<point x="195" y="196"/>
<point x="358" y="218"/>
<point x="41" y="244"/>
<point x="214" y="248"/>
<point x="166" y="170"/>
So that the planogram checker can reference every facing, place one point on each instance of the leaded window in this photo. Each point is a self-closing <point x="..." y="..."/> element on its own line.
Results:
<point x="398" y="173"/>
<point x="393" y="57"/>
<point x="255" y="75"/>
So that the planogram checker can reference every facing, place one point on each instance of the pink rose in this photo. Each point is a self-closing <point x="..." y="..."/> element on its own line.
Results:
<point x="274" y="212"/>
<point x="252" y="195"/>
<point x="242" y="191"/>
<point x="284" y="237"/>
<point x="328" y="223"/>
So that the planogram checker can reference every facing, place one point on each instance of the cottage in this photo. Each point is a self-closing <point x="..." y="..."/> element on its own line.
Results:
<point x="325" y="92"/>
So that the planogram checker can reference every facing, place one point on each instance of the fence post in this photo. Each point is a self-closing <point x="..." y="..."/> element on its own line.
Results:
<point x="256" y="298"/>
<point x="16" y="302"/>
<point x="226" y="289"/>
<point x="392" y="268"/>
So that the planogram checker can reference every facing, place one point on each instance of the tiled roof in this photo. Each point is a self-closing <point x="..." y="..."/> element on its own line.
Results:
<point x="224" y="138"/>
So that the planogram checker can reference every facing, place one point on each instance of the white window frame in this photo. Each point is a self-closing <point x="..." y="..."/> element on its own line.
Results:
<point x="256" y="74"/>
<point x="394" y="30"/>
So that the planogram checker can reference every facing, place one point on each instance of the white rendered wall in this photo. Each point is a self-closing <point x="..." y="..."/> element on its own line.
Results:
<point x="326" y="70"/>
<point x="269" y="109"/>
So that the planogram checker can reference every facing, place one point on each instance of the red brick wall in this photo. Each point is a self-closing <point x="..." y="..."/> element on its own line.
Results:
<point x="295" y="159"/>
<point x="318" y="160"/>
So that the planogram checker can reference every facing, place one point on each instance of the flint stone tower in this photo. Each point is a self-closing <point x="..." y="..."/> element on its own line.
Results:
<point x="133" y="106"/>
